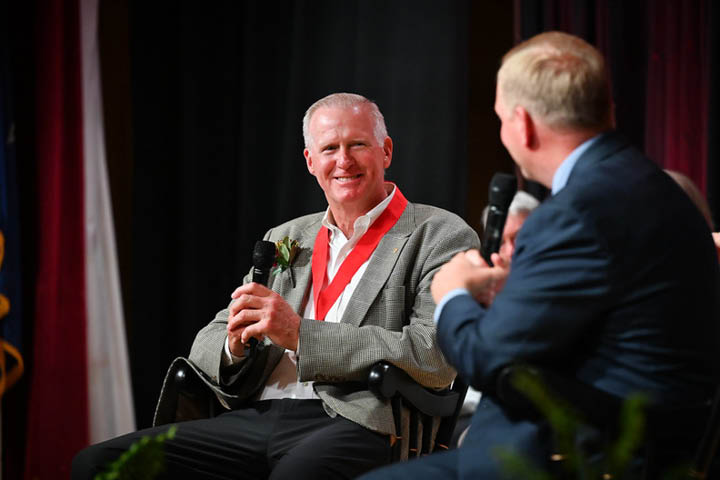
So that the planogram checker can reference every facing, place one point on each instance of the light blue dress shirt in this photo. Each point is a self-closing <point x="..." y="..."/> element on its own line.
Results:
<point x="566" y="167"/>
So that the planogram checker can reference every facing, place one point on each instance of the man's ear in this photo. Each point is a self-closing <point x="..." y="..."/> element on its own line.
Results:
<point x="528" y="130"/>
<point x="388" y="149"/>
<point x="308" y="161"/>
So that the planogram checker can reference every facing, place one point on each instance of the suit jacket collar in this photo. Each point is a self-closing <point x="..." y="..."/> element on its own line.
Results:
<point x="606" y="146"/>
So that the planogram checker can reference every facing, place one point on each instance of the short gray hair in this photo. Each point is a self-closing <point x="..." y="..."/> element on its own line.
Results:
<point x="345" y="100"/>
<point x="523" y="202"/>
<point x="559" y="78"/>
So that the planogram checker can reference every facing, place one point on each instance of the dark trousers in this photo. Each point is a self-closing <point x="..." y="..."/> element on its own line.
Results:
<point x="270" y="439"/>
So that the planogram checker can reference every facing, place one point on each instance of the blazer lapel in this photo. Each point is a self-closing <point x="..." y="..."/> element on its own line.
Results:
<point x="382" y="263"/>
<point x="295" y="292"/>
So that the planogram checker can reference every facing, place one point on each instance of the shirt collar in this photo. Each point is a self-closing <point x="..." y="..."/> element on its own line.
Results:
<point x="363" y="222"/>
<point x="562" y="174"/>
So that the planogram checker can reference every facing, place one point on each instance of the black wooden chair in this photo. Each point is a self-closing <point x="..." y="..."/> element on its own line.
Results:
<point x="390" y="382"/>
<point x="191" y="399"/>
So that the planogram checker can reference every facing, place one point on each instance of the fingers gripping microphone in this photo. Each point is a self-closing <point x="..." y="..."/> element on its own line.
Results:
<point x="263" y="258"/>
<point x="500" y="194"/>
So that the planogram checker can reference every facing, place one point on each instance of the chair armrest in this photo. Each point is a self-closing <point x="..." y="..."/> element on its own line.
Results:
<point x="187" y="382"/>
<point x="184" y="396"/>
<point x="386" y="380"/>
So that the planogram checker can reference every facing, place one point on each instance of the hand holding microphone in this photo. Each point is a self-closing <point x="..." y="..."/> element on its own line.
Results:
<point x="258" y="311"/>
<point x="263" y="258"/>
<point x="469" y="270"/>
<point x="500" y="194"/>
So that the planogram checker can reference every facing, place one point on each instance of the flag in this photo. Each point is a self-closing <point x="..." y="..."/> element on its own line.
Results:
<point x="11" y="314"/>
<point x="111" y="410"/>
<point x="11" y="361"/>
<point x="80" y="388"/>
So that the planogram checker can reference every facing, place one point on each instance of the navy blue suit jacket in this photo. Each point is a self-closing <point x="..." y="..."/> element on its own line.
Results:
<point x="613" y="281"/>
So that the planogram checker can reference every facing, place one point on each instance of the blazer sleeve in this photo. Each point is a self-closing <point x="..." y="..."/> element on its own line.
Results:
<point x="557" y="288"/>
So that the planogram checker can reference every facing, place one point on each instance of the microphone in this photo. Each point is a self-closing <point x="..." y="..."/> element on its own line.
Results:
<point x="500" y="194"/>
<point x="263" y="258"/>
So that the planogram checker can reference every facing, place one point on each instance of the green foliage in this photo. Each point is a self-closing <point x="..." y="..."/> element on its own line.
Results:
<point x="515" y="466"/>
<point x="632" y="430"/>
<point x="565" y="423"/>
<point x="144" y="460"/>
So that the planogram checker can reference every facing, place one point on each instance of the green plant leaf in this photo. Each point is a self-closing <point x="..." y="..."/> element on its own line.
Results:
<point x="144" y="460"/>
<point x="515" y="466"/>
<point x="285" y="253"/>
<point x="565" y="423"/>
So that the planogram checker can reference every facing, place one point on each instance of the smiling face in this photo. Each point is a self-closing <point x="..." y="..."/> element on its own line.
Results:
<point x="346" y="159"/>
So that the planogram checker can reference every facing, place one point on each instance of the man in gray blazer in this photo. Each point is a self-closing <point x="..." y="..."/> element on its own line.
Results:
<point x="356" y="293"/>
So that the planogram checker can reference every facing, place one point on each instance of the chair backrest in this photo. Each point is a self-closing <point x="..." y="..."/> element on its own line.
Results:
<point x="424" y="405"/>
<point x="447" y="424"/>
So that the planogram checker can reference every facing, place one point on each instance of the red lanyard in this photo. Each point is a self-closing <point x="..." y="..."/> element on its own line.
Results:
<point x="325" y="296"/>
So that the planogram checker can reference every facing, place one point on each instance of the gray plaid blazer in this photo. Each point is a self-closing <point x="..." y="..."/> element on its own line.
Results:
<point x="389" y="317"/>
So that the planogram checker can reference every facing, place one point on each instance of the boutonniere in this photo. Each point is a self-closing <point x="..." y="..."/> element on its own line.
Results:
<point x="285" y="252"/>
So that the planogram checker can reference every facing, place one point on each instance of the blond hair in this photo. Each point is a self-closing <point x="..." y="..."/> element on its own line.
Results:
<point x="560" y="79"/>
<point x="345" y="100"/>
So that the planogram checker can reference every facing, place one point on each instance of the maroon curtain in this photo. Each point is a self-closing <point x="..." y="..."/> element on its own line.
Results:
<point x="677" y="88"/>
<point x="659" y="59"/>
<point x="58" y="404"/>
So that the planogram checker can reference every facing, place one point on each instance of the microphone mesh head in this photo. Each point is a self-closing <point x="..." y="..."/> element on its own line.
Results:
<point x="502" y="189"/>
<point x="263" y="254"/>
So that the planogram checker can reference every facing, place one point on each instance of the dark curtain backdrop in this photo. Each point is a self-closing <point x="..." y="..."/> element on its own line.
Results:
<point x="661" y="55"/>
<point x="713" y="124"/>
<point x="218" y="93"/>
